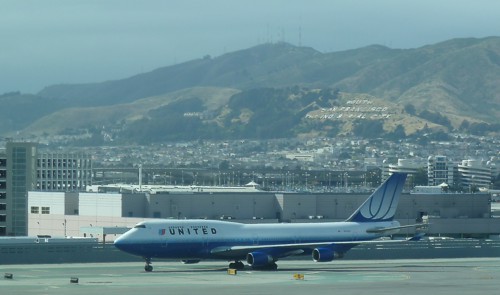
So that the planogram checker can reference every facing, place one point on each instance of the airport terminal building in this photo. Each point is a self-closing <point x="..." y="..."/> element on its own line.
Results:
<point x="43" y="194"/>
<point x="91" y="214"/>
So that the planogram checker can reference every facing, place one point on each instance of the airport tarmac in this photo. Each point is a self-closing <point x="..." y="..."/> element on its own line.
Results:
<point x="415" y="276"/>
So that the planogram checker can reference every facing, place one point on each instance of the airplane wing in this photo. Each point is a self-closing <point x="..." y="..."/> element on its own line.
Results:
<point x="293" y="249"/>
<point x="298" y="248"/>
<point x="388" y="230"/>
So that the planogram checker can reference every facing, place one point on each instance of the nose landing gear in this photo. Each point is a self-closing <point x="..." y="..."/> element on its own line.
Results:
<point x="148" y="267"/>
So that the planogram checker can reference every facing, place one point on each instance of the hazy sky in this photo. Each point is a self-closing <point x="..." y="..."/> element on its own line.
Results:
<point x="63" y="41"/>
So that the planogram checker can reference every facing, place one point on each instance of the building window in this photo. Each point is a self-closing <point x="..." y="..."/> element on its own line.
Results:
<point x="45" y="210"/>
<point x="35" y="210"/>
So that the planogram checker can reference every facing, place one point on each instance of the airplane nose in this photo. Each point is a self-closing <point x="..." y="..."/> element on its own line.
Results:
<point x="128" y="245"/>
<point x="120" y="243"/>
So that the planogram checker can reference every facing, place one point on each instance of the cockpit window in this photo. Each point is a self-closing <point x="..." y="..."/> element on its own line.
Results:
<point x="140" y="226"/>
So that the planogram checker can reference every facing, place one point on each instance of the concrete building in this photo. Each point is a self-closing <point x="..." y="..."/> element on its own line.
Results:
<point x="63" y="172"/>
<point x="21" y="178"/>
<point x="468" y="174"/>
<point x="65" y="214"/>
<point x="72" y="214"/>
<point x="475" y="173"/>
<point x="410" y="166"/>
<point x="23" y="169"/>
<point x="3" y="192"/>
<point x="305" y="157"/>
<point x="439" y="170"/>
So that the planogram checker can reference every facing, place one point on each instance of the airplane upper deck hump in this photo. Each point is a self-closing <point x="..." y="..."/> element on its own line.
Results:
<point x="382" y="204"/>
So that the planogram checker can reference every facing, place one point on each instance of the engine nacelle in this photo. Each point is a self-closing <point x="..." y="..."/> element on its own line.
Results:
<point x="258" y="259"/>
<point x="190" y="261"/>
<point x="325" y="255"/>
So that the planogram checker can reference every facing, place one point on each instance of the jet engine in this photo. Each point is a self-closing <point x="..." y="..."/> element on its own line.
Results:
<point x="325" y="255"/>
<point x="258" y="259"/>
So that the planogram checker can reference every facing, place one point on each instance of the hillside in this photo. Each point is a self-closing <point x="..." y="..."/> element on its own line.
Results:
<point x="277" y="90"/>
<point x="268" y="65"/>
<point x="250" y="68"/>
<point x="19" y="110"/>
<point x="224" y="113"/>
<point x="458" y="77"/>
<point x="116" y="116"/>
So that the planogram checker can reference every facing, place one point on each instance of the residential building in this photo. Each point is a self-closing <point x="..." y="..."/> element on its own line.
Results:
<point x="439" y="170"/>
<point x="475" y="173"/>
<point x="410" y="166"/>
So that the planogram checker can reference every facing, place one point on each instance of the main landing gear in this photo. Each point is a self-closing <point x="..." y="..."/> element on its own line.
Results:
<point x="273" y="266"/>
<point x="237" y="265"/>
<point x="148" y="267"/>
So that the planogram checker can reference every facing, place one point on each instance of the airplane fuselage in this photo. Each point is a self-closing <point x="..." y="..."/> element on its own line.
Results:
<point x="196" y="239"/>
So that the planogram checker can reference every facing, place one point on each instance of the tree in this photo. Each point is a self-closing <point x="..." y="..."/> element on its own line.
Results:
<point x="344" y="156"/>
<point x="496" y="182"/>
<point x="398" y="133"/>
<point x="419" y="178"/>
<point x="368" y="128"/>
<point x="224" y="165"/>
<point x="410" y="109"/>
<point x="464" y="126"/>
<point x="436" y="118"/>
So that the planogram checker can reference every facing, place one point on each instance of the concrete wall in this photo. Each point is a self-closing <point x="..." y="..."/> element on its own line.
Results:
<point x="134" y="205"/>
<point x="249" y="205"/>
<point x="71" y="206"/>
<point x="468" y="226"/>
<point x="450" y="214"/>
<point x="445" y="206"/>
<point x="58" y="225"/>
<point x="54" y="201"/>
<point x="212" y="206"/>
<point x="338" y="206"/>
<point x="100" y="204"/>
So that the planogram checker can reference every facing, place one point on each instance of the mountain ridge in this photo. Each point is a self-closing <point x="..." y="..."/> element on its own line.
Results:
<point x="456" y="79"/>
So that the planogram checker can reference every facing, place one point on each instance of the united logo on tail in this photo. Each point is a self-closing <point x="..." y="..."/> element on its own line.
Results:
<point x="382" y="204"/>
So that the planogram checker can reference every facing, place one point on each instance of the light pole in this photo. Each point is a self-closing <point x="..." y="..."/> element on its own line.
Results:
<point x="306" y="179"/>
<point x="346" y="184"/>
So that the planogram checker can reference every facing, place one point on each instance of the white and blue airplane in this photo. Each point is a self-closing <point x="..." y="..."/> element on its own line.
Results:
<point x="261" y="245"/>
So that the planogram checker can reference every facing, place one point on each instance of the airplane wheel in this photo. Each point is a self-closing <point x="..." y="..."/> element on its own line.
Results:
<point x="273" y="266"/>
<point x="237" y="265"/>
<point x="148" y="268"/>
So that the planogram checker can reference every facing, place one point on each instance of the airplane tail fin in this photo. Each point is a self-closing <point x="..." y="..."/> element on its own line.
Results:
<point x="383" y="202"/>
